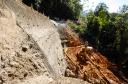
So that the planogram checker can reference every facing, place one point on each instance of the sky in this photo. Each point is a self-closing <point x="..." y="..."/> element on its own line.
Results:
<point x="112" y="4"/>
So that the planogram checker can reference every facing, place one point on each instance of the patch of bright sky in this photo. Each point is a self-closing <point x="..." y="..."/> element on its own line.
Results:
<point x="112" y="4"/>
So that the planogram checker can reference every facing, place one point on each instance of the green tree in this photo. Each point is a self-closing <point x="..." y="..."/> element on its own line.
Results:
<point x="101" y="12"/>
<point x="124" y="9"/>
<point x="93" y="29"/>
<point x="101" y="31"/>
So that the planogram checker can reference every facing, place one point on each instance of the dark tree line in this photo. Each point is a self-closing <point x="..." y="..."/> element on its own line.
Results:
<point x="62" y="9"/>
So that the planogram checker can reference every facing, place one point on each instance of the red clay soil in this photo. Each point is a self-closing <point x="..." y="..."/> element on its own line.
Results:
<point x="86" y="64"/>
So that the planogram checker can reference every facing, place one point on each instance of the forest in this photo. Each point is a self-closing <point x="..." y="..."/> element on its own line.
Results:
<point x="107" y="32"/>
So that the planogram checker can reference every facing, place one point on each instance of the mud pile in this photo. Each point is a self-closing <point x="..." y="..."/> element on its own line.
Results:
<point x="85" y="63"/>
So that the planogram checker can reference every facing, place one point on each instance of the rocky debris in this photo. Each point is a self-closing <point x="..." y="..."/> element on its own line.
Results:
<point x="38" y="80"/>
<point x="60" y="80"/>
<point x="84" y="63"/>
<point x="20" y="57"/>
<point x="67" y="80"/>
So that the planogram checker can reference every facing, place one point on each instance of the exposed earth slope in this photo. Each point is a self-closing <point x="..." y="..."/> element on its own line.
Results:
<point x="33" y="52"/>
<point x="29" y="54"/>
<point x="84" y="61"/>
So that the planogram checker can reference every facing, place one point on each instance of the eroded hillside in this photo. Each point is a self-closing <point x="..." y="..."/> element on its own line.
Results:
<point x="30" y="47"/>
<point x="85" y="62"/>
<point x="33" y="52"/>
<point x="42" y="31"/>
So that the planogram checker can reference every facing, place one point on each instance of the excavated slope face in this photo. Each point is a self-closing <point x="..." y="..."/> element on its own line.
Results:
<point x="85" y="63"/>
<point x="42" y="31"/>
<point x="20" y="57"/>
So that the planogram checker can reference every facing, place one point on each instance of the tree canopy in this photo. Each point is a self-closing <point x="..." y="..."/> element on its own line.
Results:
<point x="108" y="32"/>
<point x="63" y="9"/>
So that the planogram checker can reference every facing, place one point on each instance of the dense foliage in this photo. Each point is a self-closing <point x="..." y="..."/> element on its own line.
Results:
<point x="62" y="9"/>
<point x="108" y="32"/>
